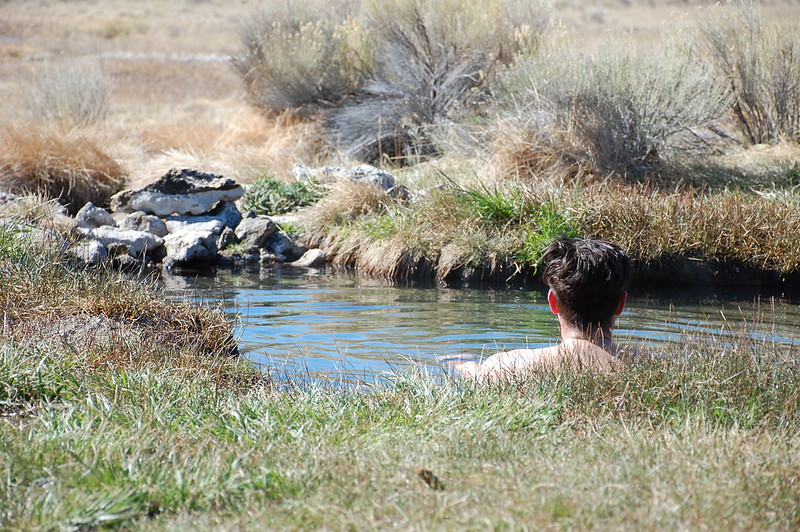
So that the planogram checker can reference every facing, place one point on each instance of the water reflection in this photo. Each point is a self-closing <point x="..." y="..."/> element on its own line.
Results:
<point x="306" y="320"/>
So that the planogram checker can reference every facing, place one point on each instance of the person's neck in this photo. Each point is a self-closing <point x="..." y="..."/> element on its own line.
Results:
<point x="600" y="336"/>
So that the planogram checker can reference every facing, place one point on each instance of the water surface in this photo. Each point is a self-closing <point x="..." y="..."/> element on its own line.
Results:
<point x="324" y="324"/>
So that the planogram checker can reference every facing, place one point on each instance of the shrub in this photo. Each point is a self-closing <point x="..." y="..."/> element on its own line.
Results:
<point x="303" y="57"/>
<point x="622" y="109"/>
<point x="70" y="96"/>
<point x="72" y="170"/>
<point x="434" y="61"/>
<point x="269" y="196"/>
<point x="387" y="73"/>
<point x="762" y="65"/>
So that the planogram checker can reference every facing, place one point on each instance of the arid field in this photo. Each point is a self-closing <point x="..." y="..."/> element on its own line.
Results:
<point x="176" y="100"/>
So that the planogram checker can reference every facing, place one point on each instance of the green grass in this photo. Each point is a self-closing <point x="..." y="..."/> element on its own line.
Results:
<point x="684" y="442"/>
<point x="268" y="196"/>
<point x="153" y="432"/>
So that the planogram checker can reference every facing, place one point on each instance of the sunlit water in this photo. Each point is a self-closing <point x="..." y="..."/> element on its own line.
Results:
<point x="307" y="322"/>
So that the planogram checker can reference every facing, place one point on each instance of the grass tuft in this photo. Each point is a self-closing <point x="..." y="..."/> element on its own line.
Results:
<point x="70" y="169"/>
<point x="268" y="196"/>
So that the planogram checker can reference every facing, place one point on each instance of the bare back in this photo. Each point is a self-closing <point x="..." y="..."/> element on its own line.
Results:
<point x="570" y="355"/>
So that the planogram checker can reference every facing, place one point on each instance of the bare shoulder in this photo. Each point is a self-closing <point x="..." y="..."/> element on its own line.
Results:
<point x="518" y="361"/>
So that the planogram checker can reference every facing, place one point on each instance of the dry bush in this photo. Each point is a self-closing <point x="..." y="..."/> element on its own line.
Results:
<point x="623" y="109"/>
<point x="533" y="148"/>
<point x="72" y="170"/>
<point x="70" y="96"/>
<point x="303" y="56"/>
<point x="386" y="72"/>
<point x="762" y="64"/>
<point x="434" y="61"/>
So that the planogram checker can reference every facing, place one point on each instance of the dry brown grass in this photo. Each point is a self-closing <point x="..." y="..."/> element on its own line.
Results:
<point x="757" y="230"/>
<point x="72" y="170"/>
<point x="345" y="201"/>
<point x="528" y="151"/>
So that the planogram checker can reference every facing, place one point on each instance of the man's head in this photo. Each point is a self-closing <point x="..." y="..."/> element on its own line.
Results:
<point x="588" y="279"/>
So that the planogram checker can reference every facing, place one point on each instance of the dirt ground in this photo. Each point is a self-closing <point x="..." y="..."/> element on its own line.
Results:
<point x="177" y="100"/>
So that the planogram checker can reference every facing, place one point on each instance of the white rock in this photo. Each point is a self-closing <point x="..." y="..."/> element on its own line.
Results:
<point x="90" y="217"/>
<point x="191" y="246"/>
<point x="139" y="221"/>
<point x="137" y="242"/>
<point x="166" y="204"/>
<point x="194" y="224"/>
<point x="254" y="231"/>
<point x="90" y="252"/>
<point x="179" y="192"/>
<point x="311" y="258"/>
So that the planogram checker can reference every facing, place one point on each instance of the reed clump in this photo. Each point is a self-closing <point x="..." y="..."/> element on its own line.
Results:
<point x="70" y="97"/>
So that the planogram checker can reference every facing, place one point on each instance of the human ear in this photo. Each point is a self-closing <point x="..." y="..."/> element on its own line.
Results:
<point x="551" y="300"/>
<point x="623" y="298"/>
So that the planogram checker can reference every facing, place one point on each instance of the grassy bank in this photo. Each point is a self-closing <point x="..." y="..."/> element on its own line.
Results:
<point x="122" y="411"/>
<point x="495" y="231"/>
<point x="692" y="442"/>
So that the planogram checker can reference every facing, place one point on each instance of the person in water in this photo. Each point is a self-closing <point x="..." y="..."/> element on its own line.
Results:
<point x="587" y="280"/>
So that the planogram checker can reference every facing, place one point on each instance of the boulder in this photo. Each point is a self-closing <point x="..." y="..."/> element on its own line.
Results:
<point x="280" y="244"/>
<point x="225" y="215"/>
<point x="182" y="224"/>
<point x="363" y="173"/>
<point x="190" y="246"/>
<point x="136" y="242"/>
<point x="89" y="252"/>
<point x="228" y="213"/>
<point x="90" y="217"/>
<point x="254" y="231"/>
<point x="140" y="221"/>
<point x="303" y="173"/>
<point x="366" y="173"/>
<point x="226" y="238"/>
<point x="311" y="258"/>
<point x="179" y="192"/>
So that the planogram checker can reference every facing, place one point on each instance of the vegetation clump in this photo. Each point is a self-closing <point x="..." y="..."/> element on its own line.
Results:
<point x="68" y="168"/>
<point x="761" y="63"/>
<point x="384" y="74"/>
<point x="618" y="111"/>
<point x="269" y="196"/>
<point x="70" y="97"/>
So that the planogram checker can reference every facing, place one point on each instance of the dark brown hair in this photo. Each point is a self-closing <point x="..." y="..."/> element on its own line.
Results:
<point x="587" y="277"/>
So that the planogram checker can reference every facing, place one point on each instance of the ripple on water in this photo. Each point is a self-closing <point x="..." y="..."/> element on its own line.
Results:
<point x="307" y="323"/>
